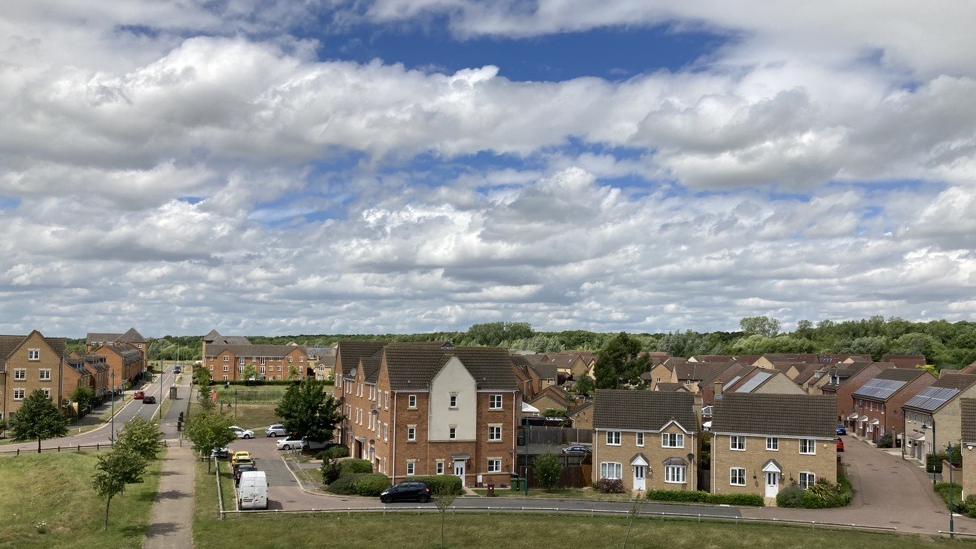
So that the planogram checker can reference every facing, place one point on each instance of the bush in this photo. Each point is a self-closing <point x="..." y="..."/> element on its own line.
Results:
<point x="609" y="486"/>
<point x="372" y="484"/>
<point x="334" y="452"/>
<point x="355" y="466"/>
<point x="791" y="496"/>
<point x="330" y="471"/>
<point x="704" y="497"/>
<point x="944" y="489"/>
<point x="346" y="484"/>
<point x="886" y="441"/>
<point x="443" y="484"/>
<point x="822" y="495"/>
<point x="969" y="509"/>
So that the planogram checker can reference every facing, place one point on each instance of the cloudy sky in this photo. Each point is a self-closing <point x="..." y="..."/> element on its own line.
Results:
<point x="399" y="166"/>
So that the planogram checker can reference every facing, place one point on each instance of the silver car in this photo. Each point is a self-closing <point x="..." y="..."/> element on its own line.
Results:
<point x="275" y="430"/>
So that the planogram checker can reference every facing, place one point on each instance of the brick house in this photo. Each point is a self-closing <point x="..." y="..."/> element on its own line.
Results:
<point x="842" y="380"/>
<point x="932" y="417"/>
<point x="647" y="439"/>
<point x="226" y="362"/>
<point x="28" y="363"/>
<point x="967" y="417"/>
<point x="429" y="409"/>
<point x="124" y="360"/>
<point x="877" y="405"/>
<point x="764" y="442"/>
<point x="97" y="369"/>
<point x="132" y="337"/>
<point x="214" y="338"/>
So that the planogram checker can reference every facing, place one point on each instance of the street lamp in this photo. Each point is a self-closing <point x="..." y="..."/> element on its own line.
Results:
<point x="949" y="461"/>
<point x="111" y="435"/>
<point x="924" y="427"/>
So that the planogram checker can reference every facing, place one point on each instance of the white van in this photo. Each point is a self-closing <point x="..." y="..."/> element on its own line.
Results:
<point x="252" y="493"/>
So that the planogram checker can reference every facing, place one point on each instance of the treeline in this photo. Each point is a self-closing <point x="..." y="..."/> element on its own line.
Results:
<point x="944" y="344"/>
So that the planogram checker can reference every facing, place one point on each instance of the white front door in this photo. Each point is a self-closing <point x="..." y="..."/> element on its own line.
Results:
<point x="772" y="484"/>
<point x="639" y="472"/>
<point x="459" y="470"/>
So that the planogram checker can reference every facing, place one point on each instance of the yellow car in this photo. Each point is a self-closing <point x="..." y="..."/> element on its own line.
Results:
<point x="241" y="457"/>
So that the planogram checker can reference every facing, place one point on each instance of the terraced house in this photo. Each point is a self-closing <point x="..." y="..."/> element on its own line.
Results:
<point x="29" y="363"/>
<point x="228" y="362"/>
<point x="429" y="409"/>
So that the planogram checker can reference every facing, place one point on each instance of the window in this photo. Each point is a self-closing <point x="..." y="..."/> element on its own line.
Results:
<point x="226" y="377"/>
<point x="19" y="394"/>
<point x="211" y="367"/>
<point x="226" y="368"/>
<point x="262" y="370"/>
<point x="226" y="358"/>
<point x="240" y="369"/>
<point x="289" y="360"/>
<point x="240" y="360"/>
<point x="610" y="470"/>
<point x="33" y="354"/>
<point x="639" y="439"/>
<point x="737" y="476"/>
<point x="613" y="439"/>
<point x="453" y="403"/>
<point x="494" y="433"/>
<point x="411" y="467"/>
<point x="20" y="374"/>
<point x="264" y="361"/>
<point x="673" y="440"/>
<point x="411" y="433"/>
<point x="45" y="374"/>
<point x="674" y="474"/>
<point x="386" y="431"/>
<point x="737" y="443"/>
<point x="47" y="392"/>
<point x="452" y="432"/>
<point x="807" y="479"/>
<point x="808" y="446"/>
<point x="386" y="401"/>
<point x="494" y="465"/>
<point x="412" y="401"/>
<point x="772" y="444"/>
<point x="494" y="402"/>
<point x="440" y="467"/>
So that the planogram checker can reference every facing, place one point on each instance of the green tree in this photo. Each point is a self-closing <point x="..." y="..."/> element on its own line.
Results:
<point x="548" y="469"/>
<point x="444" y="497"/>
<point x="208" y="430"/>
<point x="493" y="334"/>
<point x="84" y="396"/>
<point x="140" y="436"/>
<point x="584" y="385"/>
<point x="308" y="411"/>
<point x="761" y="325"/>
<point x="114" y="470"/>
<point x="202" y="378"/>
<point x="615" y="360"/>
<point x="38" y="419"/>
<point x="250" y="372"/>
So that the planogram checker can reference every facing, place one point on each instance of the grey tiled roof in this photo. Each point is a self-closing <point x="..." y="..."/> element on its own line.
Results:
<point x="779" y="415"/>
<point x="351" y="352"/>
<point x="257" y="351"/>
<point x="412" y="365"/>
<point x="945" y="389"/>
<point x="968" y="407"/>
<point x="10" y="342"/>
<point x="643" y="410"/>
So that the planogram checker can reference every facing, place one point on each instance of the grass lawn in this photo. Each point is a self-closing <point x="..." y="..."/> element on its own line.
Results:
<point x="55" y="489"/>
<point x="569" y="493"/>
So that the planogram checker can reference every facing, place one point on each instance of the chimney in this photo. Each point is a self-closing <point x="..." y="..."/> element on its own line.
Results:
<point x="718" y="390"/>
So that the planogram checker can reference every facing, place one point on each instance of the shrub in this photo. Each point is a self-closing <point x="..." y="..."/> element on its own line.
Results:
<point x="886" y="441"/>
<point x="330" y="471"/>
<point x="443" y="484"/>
<point x="334" y="452"/>
<point x="821" y="495"/>
<point x="705" y="497"/>
<point x="945" y="488"/>
<point x="791" y="496"/>
<point x="609" y="486"/>
<point x="372" y="484"/>
<point x="969" y="509"/>
<point x="355" y="466"/>
<point x="346" y="484"/>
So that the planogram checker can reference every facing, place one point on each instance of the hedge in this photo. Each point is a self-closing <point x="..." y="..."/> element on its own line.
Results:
<point x="355" y="466"/>
<point x="334" y="452"/>
<point x="822" y="495"/>
<point x="685" y="496"/>
<point x="442" y="484"/>
<point x="363" y="484"/>
<point x="609" y="486"/>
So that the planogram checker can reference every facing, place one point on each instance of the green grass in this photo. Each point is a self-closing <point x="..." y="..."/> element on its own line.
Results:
<point x="569" y="493"/>
<point x="55" y="488"/>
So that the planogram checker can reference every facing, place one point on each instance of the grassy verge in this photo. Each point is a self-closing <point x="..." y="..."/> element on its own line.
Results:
<point x="569" y="493"/>
<point x="55" y="489"/>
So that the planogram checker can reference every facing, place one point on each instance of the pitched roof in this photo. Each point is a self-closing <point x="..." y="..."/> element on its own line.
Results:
<point x="267" y="351"/>
<point x="413" y="366"/>
<point x="938" y="394"/>
<point x="772" y="414"/>
<point x="643" y="410"/>
<point x="887" y="383"/>
<point x="351" y="352"/>
<point x="968" y="409"/>
<point x="9" y="343"/>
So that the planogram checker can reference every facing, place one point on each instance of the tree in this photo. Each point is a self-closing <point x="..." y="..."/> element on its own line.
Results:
<point x="615" y="359"/>
<point x="444" y="497"/>
<point x="308" y="411"/>
<point x="202" y="378"/>
<point x="761" y="325"/>
<point x="584" y="385"/>
<point x="38" y="419"/>
<point x="84" y="396"/>
<point x="114" y="470"/>
<point x="493" y="334"/>
<point x="208" y="430"/>
<point x="140" y="436"/>
<point x="249" y="373"/>
<point x="548" y="469"/>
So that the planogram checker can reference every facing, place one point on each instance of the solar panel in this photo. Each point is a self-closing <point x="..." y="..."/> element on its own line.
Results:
<point x="880" y="389"/>
<point x="932" y="398"/>
<point x="756" y="380"/>
<point x="731" y="382"/>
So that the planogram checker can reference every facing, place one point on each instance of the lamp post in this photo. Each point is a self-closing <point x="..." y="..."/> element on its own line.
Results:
<point x="160" y="405"/>
<point x="111" y="435"/>
<point x="924" y="427"/>
<point x="949" y="460"/>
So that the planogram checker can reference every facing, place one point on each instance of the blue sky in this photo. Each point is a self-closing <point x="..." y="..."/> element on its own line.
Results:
<point x="395" y="166"/>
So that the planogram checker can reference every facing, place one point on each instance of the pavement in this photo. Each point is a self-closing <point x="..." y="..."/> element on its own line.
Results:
<point x="171" y="525"/>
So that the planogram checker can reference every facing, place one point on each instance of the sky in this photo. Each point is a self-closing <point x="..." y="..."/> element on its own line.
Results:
<point x="278" y="167"/>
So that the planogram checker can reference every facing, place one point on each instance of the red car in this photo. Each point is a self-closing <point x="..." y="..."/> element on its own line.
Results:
<point x="840" y="444"/>
<point x="139" y="395"/>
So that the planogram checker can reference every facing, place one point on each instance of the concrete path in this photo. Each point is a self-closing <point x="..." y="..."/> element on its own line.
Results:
<point x="171" y="525"/>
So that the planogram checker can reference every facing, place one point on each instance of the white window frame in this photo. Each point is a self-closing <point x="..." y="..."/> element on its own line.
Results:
<point x="807" y="479"/>
<point x="613" y="438"/>
<point x="672" y="440"/>
<point x="411" y="467"/>
<point x="495" y="402"/>
<point x="44" y="374"/>
<point x="737" y="443"/>
<point x="20" y="374"/>
<point x="226" y="369"/>
<point x="772" y="444"/>
<point x="33" y="354"/>
<point x="611" y="470"/>
<point x="808" y="447"/>
<point x="47" y="392"/>
<point x="22" y="392"/>
<point x="226" y="358"/>
<point x="453" y="401"/>
<point x="411" y="433"/>
<point x="494" y="432"/>
<point x="440" y="467"/>
<point x="494" y="465"/>
<point x="639" y="439"/>
<point x="411" y="402"/>
<point x="737" y="476"/>
<point x="675" y="474"/>
<point x="452" y="432"/>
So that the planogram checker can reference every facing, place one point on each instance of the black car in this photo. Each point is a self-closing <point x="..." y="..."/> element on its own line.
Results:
<point x="149" y="400"/>
<point x="240" y="469"/>
<point x="407" y="491"/>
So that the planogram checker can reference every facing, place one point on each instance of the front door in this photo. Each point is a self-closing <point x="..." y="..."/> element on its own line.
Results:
<point x="459" y="471"/>
<point x="772" y="484"/>
<point x="639" y="473"/>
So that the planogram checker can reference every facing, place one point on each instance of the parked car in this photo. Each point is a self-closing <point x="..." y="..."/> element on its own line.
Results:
<point x="840" y="444"/>
<point x="242" y="432"/>
<point x="841" y="430"/>
<point x="291" y="442"/>
<point x="220" y="453"/>
<point x="241" y="457"/>
<point x="240" y="469"/>
<point x="577" y="450"/>
<point x="149" y="399"/>
<point x="139" y="395"/>
<point x="407" y="491"/>
<point x="252" y="493"/>
<point x="275" y="430"/>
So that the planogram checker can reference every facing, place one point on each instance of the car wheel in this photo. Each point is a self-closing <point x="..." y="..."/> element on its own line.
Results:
<point x="247" y="436"/>
<point x="386" y="499"/>
<point x="423" y="499"/>
<point x="272" y="435"/>
<point x="286" y="447"/>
